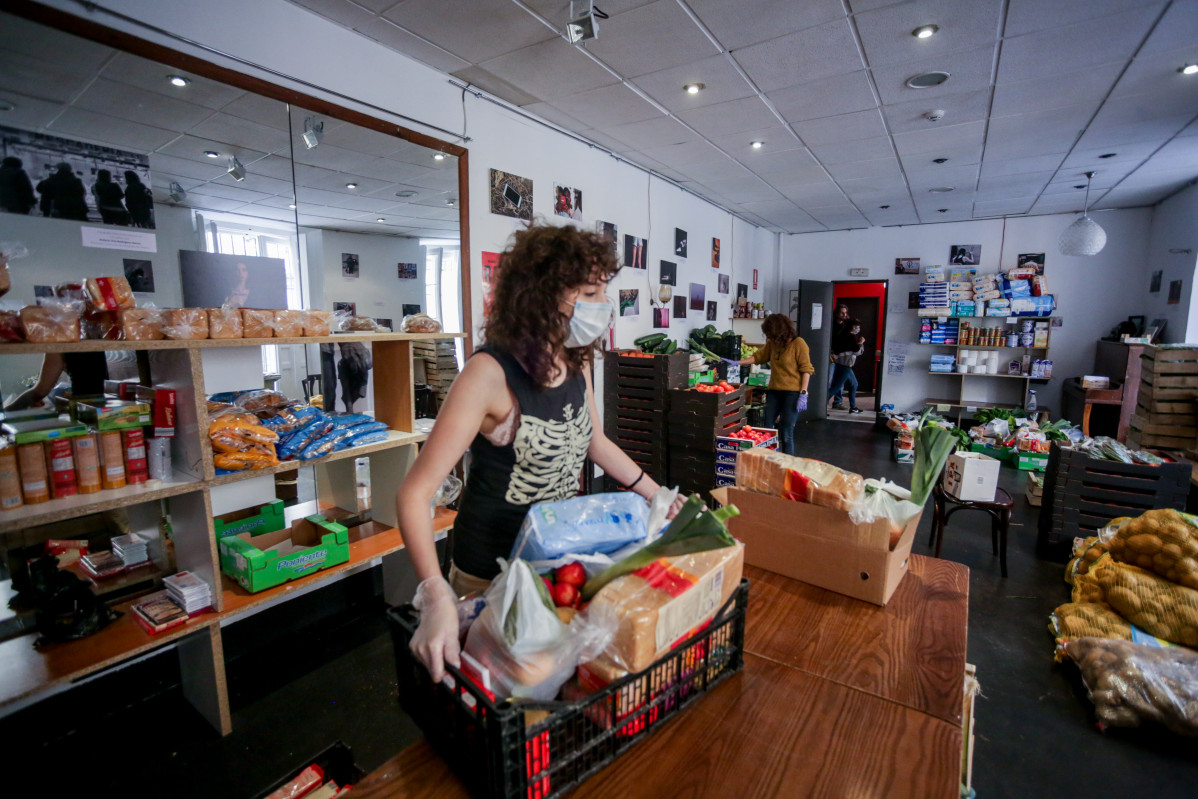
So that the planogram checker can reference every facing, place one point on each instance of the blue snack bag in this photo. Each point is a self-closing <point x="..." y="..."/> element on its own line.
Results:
<point x="597" y="523"/>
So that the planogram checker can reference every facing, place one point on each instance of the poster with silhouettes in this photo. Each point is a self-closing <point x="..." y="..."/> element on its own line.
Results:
<point x="350" y="265"/>
<point x="680" y="242"/>
<point x="635" y="250"/>
<point x="211" y="280"/>
<point x="965" y="254"/>
<point x="715" y="254"/>
<point x="669" y="273"/>
<point x="44" y="175"/>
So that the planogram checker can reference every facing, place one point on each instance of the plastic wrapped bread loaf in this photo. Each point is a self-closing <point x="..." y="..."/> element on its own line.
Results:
<point x="257" y="323"/>
<point x="50" y="324"/>
<point x="224" y="323"/>
<point x="800" y="479"/>
<point x="109" y="293"/>
<point x="316" y="323"/>
<point x="289" y="324"/>
<point x="11" y="328"/>
<point x="185" y="323"/>
<point x="140" y="324"/>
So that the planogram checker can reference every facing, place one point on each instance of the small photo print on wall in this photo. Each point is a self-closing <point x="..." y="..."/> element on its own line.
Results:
<point x="43" y="291"/>
<point x="383" y="321"/>
<point x="410" y="308"/>
<point x="724" y="282"/>
<point x="1155" y="286"/>
<point x="1032" y="259"/>
<point x="906" y="266"/>
<point x="567" y="202"/>
<point x="742" y="291"/>
<point x="680" y="306"/>
<point x="610" y="232"/>
<point x="349" y="265"/>
<point x="713" y="309"/>
<point x="140" y="274"/>
<point x="965" y="254"/>
<point x="634" y="251"/>
<point x="680" y="242"/>
<point x="669" y="273"/>
<point x="511" y="195"/>
<point x="715" y="254"/>
<point x="661" y="317"/>
<point x="698" y="296"/>
<point x="630" y="302"/>
<point x="1174" y="292"/>
<point x="350" y="308"/>
<point x="407" y="271"/>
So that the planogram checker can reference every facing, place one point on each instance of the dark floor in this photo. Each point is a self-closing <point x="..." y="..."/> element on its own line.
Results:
<point x="321" y="669"/>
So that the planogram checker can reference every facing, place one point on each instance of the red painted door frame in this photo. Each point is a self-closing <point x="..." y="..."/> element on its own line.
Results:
<point x="868" y="288"/>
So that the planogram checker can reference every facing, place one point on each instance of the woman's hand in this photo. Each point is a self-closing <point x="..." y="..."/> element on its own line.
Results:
<point x="679" y="501"/>
<point x="436" y="640"/>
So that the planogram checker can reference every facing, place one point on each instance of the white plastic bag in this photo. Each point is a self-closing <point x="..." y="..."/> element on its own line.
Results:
<point x="884" y="500"/>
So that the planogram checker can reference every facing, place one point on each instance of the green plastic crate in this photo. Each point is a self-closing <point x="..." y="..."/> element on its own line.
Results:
<point x="1029" y="461"/>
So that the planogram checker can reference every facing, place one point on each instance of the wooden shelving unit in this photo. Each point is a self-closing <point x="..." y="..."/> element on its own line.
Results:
<point x="27" y="671"/>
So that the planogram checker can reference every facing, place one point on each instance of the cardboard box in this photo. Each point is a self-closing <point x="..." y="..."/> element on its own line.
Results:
<point x="1096" y="381"/>
<point x="257" y="520"/>
<point x="114" y="414"/>
<point x="258" y="562"/>
<point x="819" y="545"/>
<point x="971" y="476"/>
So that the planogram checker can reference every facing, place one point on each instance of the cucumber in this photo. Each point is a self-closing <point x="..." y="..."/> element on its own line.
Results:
<point x="661" y="347"/>
<point x="652" y="338"/>
<point x="672" y="347"/>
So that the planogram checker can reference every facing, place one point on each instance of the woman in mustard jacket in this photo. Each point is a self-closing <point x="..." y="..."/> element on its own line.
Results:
<point x="790" y="373"/>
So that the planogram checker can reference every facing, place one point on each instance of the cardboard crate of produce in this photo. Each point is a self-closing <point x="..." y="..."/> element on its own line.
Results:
<point x="729" y="421"/>
<point x="819" y="545"/>
<point x="707" y="403"/>
<point x="258" y="562"/>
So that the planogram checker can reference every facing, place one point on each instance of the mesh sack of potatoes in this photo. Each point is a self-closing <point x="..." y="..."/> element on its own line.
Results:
<point x="1090" y="549"/>
<point x="1086" y="587"/>
<point x="1155" y="605"/>
<point x="1088" y="620"/>
<point x="1164" y="542"/>
<point x="1133" y="683"/>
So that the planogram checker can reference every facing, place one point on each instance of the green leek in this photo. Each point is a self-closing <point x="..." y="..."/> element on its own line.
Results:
<point x="932" y="447"/>
<point x="692" y="530"/>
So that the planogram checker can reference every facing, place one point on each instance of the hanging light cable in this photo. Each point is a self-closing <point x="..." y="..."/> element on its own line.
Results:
<point x="1084" y="236"/>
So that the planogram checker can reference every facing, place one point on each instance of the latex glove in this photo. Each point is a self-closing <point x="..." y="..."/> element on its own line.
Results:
<point x="802" y="403"/>
<point x="730" y="361"/>
<point x="436" y="640"/>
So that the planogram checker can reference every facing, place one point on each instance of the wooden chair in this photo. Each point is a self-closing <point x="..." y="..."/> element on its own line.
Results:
<point x="1000" y="519"/>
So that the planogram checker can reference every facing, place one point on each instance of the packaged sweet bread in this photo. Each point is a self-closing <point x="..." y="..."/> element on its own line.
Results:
<point x="239" y="461"/>
<point x="185" y="323"/>
<point x="140" y="324"/>
<point x="419" y="323"/>
<point x="358" y="324"/>
<point x="316" y="323"/>
<point x="225" y="322"/>
<point x="289" y="324"/>
<point x="108" y="293"/>
<point x="50" y="324"/>
<point x="11" y="328"/>
<point x="261" y="399"/>
<point x="257" y="323"/>
<point x="800" y="479"/>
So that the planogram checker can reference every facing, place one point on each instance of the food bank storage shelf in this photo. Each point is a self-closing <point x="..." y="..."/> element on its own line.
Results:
<point x="395" y="438"/>
<point x="82" y="504"/>
<point x="101" y="345"/>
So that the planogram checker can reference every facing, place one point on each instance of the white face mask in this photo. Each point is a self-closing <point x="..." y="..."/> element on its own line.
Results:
<point x="590" y="321"/>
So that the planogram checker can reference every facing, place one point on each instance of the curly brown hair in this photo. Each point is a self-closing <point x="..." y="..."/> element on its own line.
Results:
<point x="542" y="263"/>
<point x="779" y="330"/>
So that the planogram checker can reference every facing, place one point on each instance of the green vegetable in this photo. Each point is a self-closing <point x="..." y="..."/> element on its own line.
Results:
<point x="671" y="347"/>
<point x="696" y="346"/>
<point x="962" y="437"/>
<point x="933" y="444"/>
<point x="694" y="529"/>
<point x="652" y="338"/>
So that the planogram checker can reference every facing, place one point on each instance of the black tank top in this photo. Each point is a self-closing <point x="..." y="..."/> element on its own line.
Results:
<point x="542" y="464"/>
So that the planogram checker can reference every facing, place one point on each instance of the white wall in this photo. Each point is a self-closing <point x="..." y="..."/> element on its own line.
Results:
<point x="1093" y="294"/>
<point x="1174" y="227"/>
<point x="377" y="290"/>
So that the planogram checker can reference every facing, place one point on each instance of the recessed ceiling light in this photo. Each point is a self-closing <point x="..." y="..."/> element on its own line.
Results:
<point x="212" y="153"/>
<point x="925" y="31"/>
<point x="292" y="206"/>
<point x="178" y="80"/>
<point x="941" y="189"/>
<point x="694" y="88"/>
<point x="450" y="203"/>
<point x="1189" y="69"/>
<point x="5" y="105"/>
<point x="405" y="193"/>
<point x="438" y="156"/>
<point x="1108" y="155"/>
<point x="756" y="145"/>
<point x="380" y="219"/>
<point x="927" y="80"/>
<point x="939" y="160"/>
<point x="942" y="210"/>
<point x="351" y="185"/>
<point x="883" y="207"/>
<point x="1080" y="186"/>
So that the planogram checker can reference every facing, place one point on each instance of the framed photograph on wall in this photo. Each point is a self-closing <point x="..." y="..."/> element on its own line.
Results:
<point x="1155" y="286"/>
<point x="906" y="266"/>
<point x="661" y="317"/>
<point x="635" y="250"/>
<point x="511" y="195"/>
<point x="965" y="255"/>
<point x="1174" y="292"/>
<point x="723" y="282"/>
<point x="630" y="302"/>
<point x="350" y="308"/>
<point x="698" y="293"/>
<point x="349" y="265"/>
<point x="680" y="302"/>
<point x="715" y="254"/>
<point x="713" y="310"/>
<point x="1034" y="260"/>
<point x="140" y="274"/>
<point x="669" y="273"/>
<point x="211" y="280"/>
<point x="609" y="231"/>
<point x="680" y="242"/>
<point x="410" y="308"/>
<point x="407" y="271"/>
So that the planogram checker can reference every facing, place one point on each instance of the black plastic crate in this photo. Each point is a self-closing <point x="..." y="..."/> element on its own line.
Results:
<point x="490" y="748"/>
<point x="337" y="762"/>
<point x="706" y="403"/>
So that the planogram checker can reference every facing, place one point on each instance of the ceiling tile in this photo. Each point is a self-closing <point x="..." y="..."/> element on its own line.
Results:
<point x="846" y="127"/>
<point x="934" y="141"/>
<point x="837" y="217"/>
<point x="815" y="194"/>
<point x="138" y="105"/>
<point x="1012" y="207"/>
<point x="649" y="39"/>
<point x="731" y="117"/>
<point x="551" y="113"/>
<point x="335" y="158"/>
<point x="1029" y="16"/>
<point x="186" y="167"/>
<point x="388" y="33"/>
<point x="1175" y="30"/>
<point x="110" y="130"/>
<point x="37" y="78"/>
<point x="341" y="11"/>
<point x="1090" y="84"/>
<point x="1026" y="143"/>
<point x="1158" y="72"/>
<point x="363" y="140"/>
<point x="558" y="11"/>
<point x="267" y="111"/>
<point x="221" y="189"/>
<point x="998" y="167"/>
<point x="493" y="84"/>
<point x="886" y="33"/>
<point x="957" y="156"/>
<point x="720" y="79"/>
<point x="550" y="70"/>
<point x="831" y="96"/>
<point x="1088" y="157"/>
<point x="715" y="170"/>
<point x="1017" y="185"/>
<point x="844" y="152"/>
<point x="735" y="25"/>
<point x="782" y="162"/>
<point x="774" y="139"/>
<point x="484" y="30"/>
<point x="875" y="168"/>
<point x="681" y="155"/>
<point x="235" y="130"/>
<point x="68" y="55"/>
<point x="746" y="190"/>
<point x="651" y="133"/>
<point x="1060" y="51"/>
<point x="957" y="108"/>
<point x="1101" y="135"/>
<point x="29" y="113"/>
<point x="962" y="178"/>
<point x="968" y="70"/>
<point x="1146" y="107"/>
<point x="1063" y="124"/>
<point x="607" y="106"/>
<point x="801" y="57"/>
<point x="152" y="76"/>
<point x="604" y="140"/>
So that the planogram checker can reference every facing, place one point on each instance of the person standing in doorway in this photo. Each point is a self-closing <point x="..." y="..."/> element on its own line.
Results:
<point x="789" y="358"/>
<point x="847" y="345"/>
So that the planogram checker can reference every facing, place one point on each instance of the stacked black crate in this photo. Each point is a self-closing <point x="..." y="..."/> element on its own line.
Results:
<point x="696" y="419"/>
<point x="636" y="401"/>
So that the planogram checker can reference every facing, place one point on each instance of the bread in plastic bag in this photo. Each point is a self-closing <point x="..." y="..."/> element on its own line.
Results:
<point x="1131" y="683"/>
<point x="356" y="324"/>
<point x="801" y="479"/>
<point x="419" y="323"/>
<point x="246" y="459"/>
<point x="261" y="399"/>
<point x="882" y="499"/>
<point x="1164" y="541"/>
<point x="11" y="328"/>
<point x="325" y="444"/>
<point x="140" y="324"/>
<point x="595" y="523"/>
<point x="51" y="322"/>
<point x="9" y="251"/>
<point x="108" y="293"/>
<point x="521" y="640"/>
<point x="185" y="323"/>
<point x="225" y="322"/>
<point x="316" y="323"/>
<point x="257" y="323"/>
<point x="289" y="324"/>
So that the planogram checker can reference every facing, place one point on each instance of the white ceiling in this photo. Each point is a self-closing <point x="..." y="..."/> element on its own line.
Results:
<point x="69" y="87"/>
<point x="1039" y="91"/>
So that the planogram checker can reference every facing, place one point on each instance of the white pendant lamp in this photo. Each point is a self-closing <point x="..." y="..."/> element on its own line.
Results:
<point x="1084" y="236"/>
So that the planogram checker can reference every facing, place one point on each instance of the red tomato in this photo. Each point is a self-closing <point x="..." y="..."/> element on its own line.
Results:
<point x="571" y="574"/>
<point x="566" y="595"/>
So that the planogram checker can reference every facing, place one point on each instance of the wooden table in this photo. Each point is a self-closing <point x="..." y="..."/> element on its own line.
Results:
<point x="837" y="698"/>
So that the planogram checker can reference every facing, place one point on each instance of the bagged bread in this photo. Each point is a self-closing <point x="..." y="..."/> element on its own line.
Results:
<point x="224" y="322"/>
<point x="358" y="324"/>
<point x="316" y="323"/>
<point x="419" y="323"/>
<point x="245" y="459"/>
<point x="257" y="323"/>
<point x="185" y="323"/>
<point x="108" y="293"/>
<point x="50" y="324"/>
<point x="289" y="324"/>
<point x="11" y="328"/>
<point x="140" y="324"/>
<point x="800" y="479"/>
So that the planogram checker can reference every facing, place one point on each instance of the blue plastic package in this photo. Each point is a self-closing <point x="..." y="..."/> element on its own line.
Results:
<point x="300" y="439"/>
<point x="369" y="427"/>
<point x="307" y="412"/>
<point x="367" y="437"/>
<point x="350" y="419"/>
<point x="325" y="444"/>
<point x="598" y="523"/>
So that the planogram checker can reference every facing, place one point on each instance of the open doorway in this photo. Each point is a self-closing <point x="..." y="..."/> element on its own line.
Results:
<point x="866" y="303"/>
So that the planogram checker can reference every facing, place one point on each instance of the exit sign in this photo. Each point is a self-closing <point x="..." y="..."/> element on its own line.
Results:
<point x="859" y="272"/>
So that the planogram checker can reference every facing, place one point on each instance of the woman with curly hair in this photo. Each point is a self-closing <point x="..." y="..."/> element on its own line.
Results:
<point x="790" y="373"/>
<point x="525" y="408"/>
